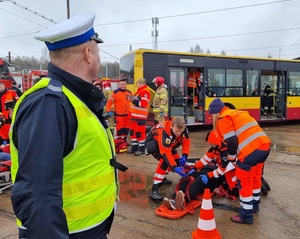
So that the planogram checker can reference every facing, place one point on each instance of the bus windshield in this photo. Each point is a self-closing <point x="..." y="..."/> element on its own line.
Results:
<point x="127" y="68"/>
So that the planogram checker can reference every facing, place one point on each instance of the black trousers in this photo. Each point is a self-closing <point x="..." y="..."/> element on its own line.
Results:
<point x="98" y="232"/>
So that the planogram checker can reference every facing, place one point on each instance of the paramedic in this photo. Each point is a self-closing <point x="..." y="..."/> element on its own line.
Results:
<point x="8" y="99"/>
<point x="140" y="103"/>
<point x="119" y="100"/>
<point x="248" y="146"/>
<point x="160" y="100"/>
<point x="169" y="136"/>
<point x="211" y="171"/>
<point x="59" y="189"/>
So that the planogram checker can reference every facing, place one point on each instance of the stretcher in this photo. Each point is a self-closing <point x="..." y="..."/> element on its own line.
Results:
<point x="5" y="175"/>
<point x="190" y="208"/>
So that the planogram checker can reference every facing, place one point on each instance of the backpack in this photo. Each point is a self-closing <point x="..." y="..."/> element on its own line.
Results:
<point x="120" y="145"/>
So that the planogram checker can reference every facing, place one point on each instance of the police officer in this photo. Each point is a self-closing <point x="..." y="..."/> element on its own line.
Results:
<point x="58" y="173"/>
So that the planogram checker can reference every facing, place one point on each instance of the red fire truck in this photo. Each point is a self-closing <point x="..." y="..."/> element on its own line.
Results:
<point x="29" y="75"/>
<point x="5" y="74"/>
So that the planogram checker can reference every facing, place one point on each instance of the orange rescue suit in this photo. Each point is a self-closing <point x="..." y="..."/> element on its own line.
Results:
<point x="167" y="142"/>
<point x="249" y="134"/>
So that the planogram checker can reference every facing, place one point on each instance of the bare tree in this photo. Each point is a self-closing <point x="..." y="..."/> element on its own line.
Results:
<point x="44" y="58"/>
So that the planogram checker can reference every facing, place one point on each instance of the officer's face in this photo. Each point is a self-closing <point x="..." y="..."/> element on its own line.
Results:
<point x="177" y="131"/>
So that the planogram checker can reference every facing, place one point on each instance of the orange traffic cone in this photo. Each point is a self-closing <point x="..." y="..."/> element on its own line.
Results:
<point x="206" y="225"/>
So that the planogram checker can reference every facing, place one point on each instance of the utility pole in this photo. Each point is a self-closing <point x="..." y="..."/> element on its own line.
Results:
<point x="279" y="52"/>
<point x="68" y="9"/>
<point x="155" y="22"/>
<point x="9" y="57"/>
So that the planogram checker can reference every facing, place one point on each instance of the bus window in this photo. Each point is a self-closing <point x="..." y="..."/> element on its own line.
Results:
<point x="252" y="83"/>
<point x="216" y="81"/>
<point x="234" y="82"/>
<point x="234" y="91"/>
<point x="177" y="86"/>
<point x="294" y="83"/>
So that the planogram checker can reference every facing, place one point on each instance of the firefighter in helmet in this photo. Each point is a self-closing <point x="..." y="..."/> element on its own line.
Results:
<point x="160" y="100"/>
<point x="106" y="89"/>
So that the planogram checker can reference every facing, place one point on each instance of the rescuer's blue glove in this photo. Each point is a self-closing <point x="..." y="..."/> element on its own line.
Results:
<point x="110" y="113"/>
<point x="179" y="171"/>
<point x="204" y="179"/>
<point x="182" y="160"/>
<point x="191" y="172"/>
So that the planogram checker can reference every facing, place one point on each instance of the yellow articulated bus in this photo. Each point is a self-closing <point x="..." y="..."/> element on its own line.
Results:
<point x="269" y="89"/>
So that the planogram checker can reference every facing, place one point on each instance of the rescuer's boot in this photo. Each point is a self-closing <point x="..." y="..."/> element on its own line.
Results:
<point x="237" y="219"/>
<point x="155" y="193"/>
<point x="140" y="151"/>
<point x="166" y="181"/>
<point x="134" y="148"/>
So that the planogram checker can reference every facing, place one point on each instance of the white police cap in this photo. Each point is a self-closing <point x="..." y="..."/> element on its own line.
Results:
<point x="71" y="32"/>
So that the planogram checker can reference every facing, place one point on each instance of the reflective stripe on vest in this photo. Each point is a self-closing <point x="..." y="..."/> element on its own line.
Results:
<point x="89" y="197"/>
<point x="250" y="135"/>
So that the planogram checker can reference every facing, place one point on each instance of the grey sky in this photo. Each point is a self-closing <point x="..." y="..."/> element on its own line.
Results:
<point x="248" y="27"/>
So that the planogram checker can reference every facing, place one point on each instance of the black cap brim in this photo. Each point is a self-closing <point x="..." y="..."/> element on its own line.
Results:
<point x="96" y="38"/>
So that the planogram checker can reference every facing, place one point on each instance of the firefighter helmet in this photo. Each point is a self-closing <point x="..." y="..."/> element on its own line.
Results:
<point x="213" y="138"/>
<point x="106" y="84"/>
<point x="158" y="81"/>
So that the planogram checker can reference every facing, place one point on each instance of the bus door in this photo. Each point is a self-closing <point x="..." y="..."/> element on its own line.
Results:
<point x="273" y="95"/>
<point x="186" y="94"/>
<point x="280" y="104"/>
<point x="177" y="92"/>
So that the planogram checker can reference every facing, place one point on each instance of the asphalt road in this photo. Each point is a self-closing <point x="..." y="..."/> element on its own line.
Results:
<point x="279" y="216"/>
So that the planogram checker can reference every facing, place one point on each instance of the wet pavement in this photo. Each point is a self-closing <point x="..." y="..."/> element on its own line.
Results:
<point x="279" y="215"/>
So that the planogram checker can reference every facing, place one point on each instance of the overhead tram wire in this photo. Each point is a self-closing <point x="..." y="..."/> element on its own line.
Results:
<point x="207" y="37"/>
<point x="22" y="18"/>
<point x="28" y="9"/>
<point x="110" y="54"/>
<point x="224" y="9"/>
<point x="18" y="35"/>
<point x="194" y="13"/>
<point x="146" y="19"/>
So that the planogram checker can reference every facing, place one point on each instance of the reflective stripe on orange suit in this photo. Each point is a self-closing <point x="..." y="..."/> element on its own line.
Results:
<point x="217" y="154"/>
<point x="244" y="127"/>
<point x="252" y="140"/>
<point x="118" y="100"/>
<point x="141" y="111"/>
<point x="138" y="116"/>
<point x="167" y="143"/>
